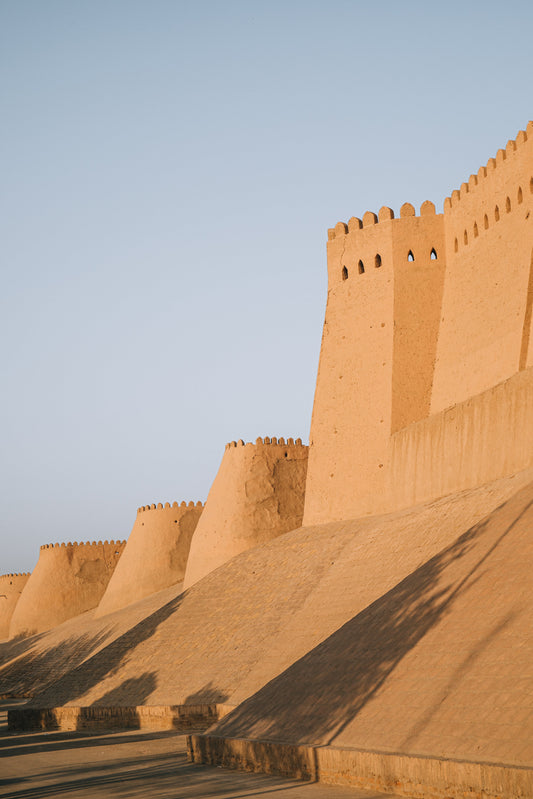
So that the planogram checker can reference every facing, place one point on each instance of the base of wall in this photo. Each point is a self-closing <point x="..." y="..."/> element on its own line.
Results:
<point x="144" y="717"/>
<point x="406" y="775"/>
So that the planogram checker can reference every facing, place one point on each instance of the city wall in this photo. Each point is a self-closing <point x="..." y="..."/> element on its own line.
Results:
<point x="423" y="313"/>
<point x="155" y="555"/>
<point x="472" y="443"/>
<point x="258" y="494"/>
<point x="11" y="586"/>
<point x="377" y="358"/>
<point x="68" y="579"/>
<point x="486" y="312"/>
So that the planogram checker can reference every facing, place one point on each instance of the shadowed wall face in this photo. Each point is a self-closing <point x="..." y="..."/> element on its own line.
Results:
<point x="11" y="586"/>
<point x="67" y="580"/>
<point x="257" y="495"/>
<point x="155" y="555"/>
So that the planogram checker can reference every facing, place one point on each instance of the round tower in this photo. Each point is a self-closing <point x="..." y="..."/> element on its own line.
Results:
<point x="257" y="495"/>
<point x="155" y="555"/>
<point x="67" y="580"/>
<point x="11" y="586"/>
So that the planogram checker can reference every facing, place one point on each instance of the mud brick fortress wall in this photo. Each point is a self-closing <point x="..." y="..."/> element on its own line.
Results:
<point x="424" y="388"/>
<point x="424" y="315"/>
<point x="257" y="495"/>
<point x="67" y="580"/>
<point x="155" y="555"/>
<point x="11" y="586"/>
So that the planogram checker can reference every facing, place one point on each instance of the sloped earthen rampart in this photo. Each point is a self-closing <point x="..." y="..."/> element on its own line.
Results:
<point x="11" y="586"/>
<point x="67" y="580"/>
<point x="155" y="555"/>
<point x="257" y="495"/>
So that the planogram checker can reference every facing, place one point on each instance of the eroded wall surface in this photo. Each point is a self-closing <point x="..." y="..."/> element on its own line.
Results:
<point x="11" y="586"/>
<point x="155" y="555"/>
<point x="67" y="580"/>
<point x="257" y="495"/>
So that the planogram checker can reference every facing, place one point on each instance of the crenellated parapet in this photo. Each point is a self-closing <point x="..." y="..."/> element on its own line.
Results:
<point x="169" y="506"/>
<point x="69" y="579"/>
<point x="267" y="441"/>
<point x="257" y="495"/>
<point x="91" y="544"/>
<point x="499" y="190"/>
<point x="371" y="248"/>
<point x="385" y="214"/>
<point x="7" y="577"/>
<point x="501" y="165"/>
<point x="156" y="553"/>
<point x="485" y="332"/>
<point x="423" y="312"/>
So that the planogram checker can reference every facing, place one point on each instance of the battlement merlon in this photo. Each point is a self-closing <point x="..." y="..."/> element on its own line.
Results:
<point x="167" y="506"/>
<point x="385" y="214"/>
<point x="377" y="244"/>
<point x="497" y="170"/>
<point x="267" y="442"/>
<point x="112" y="543"/>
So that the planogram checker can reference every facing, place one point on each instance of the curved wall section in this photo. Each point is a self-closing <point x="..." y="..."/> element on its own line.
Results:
<point x="257" y="495"/>
<point x="155" y="555"/>
<point x="67" y="580"/>
<point x="11" y="586"/>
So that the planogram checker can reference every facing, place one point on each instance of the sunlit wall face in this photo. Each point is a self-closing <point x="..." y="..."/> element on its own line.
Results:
<point x="169" y="172"/>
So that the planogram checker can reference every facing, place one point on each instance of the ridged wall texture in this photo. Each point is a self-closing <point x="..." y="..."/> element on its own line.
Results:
<point x="155" y="555"/>
<point x="67" y="580"/>
<point x="11" y="586"/>
<point x="257" y="495"/>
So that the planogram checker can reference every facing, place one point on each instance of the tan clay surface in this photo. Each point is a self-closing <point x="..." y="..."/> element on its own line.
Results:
<point x="429" y="574"/>
<point x="127" y="764"/>
<point x="397" y="620"/>
<point x="67" y="580"/>
<point x="155" y="554"/>
<point x="422" y="313"/>
<point x="440" y="664"/>
<point x="11" y="586"/>
<point x="28" y="665"/>
<point x="257" y="495"/>
<point x="486" y="329"/>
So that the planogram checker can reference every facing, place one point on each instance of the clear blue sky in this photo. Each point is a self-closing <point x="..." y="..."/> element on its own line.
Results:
<point x="168" y="174"/>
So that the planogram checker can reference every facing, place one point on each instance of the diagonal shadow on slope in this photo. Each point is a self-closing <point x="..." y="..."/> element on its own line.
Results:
<point x="83" y="676"/>
<point x="316" y="698"/>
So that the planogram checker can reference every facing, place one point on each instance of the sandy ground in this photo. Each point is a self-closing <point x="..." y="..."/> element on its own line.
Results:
<point x="131" y="764"/>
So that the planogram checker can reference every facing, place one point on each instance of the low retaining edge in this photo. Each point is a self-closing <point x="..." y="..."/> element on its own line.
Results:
<point x="149" y="717"/>
<point x="406" y="775"/>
